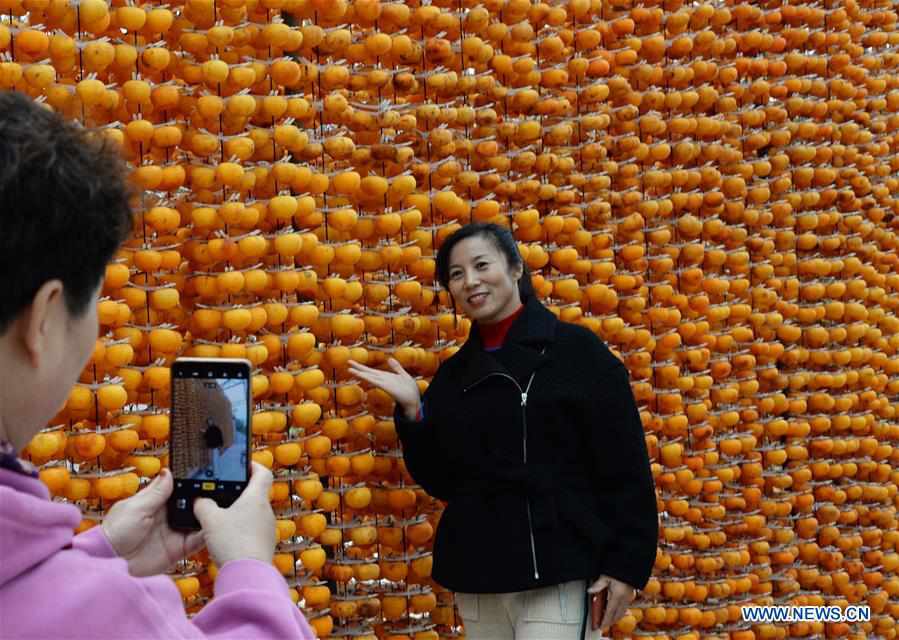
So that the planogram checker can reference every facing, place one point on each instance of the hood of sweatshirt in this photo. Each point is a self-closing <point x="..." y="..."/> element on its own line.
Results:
<point x="32" y="527"/>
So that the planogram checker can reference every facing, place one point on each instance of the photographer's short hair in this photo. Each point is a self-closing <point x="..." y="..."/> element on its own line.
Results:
<point x="64" y="206"/>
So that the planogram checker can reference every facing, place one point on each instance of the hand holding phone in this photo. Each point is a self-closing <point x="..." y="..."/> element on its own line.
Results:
<point x="246" y="529"/>
<point x="137" y="530"/>
<point x="598" y="602"/>
<point x="610" y="601"/>
<point x="209" y="442"/>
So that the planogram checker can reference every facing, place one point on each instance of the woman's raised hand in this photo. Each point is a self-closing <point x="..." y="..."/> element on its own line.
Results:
<point x="398" y="384"/>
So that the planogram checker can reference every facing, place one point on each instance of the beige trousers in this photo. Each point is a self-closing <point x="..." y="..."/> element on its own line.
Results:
<point x="551" y="613"/>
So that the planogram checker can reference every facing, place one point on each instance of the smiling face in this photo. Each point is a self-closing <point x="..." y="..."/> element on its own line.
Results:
<point x="481" y="280"/>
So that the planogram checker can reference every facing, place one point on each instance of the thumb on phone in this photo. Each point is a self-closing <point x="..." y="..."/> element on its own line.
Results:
<point x="261" y="480"/>
<point x="162" y="487"/>
<point x="245" y="530"/>
<point x="205" y="510"/>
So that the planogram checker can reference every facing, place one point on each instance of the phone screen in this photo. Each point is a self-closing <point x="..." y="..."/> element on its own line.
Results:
<point x="210" y="435"/>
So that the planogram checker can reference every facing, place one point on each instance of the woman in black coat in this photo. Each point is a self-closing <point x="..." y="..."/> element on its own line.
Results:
<point x="531" y="435"/>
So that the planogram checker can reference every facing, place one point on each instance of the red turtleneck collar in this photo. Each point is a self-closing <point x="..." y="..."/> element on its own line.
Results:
<point x="493" y="335"/>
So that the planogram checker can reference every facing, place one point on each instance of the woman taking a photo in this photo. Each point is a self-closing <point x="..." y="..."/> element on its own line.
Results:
<point x="531" y="435"/>
<point x="64" y="198"/>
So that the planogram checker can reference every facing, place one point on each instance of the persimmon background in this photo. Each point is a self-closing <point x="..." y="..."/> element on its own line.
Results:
<point x="709" y="186"/>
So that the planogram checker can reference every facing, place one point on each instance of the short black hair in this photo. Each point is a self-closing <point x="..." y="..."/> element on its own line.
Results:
<point x="501" y="238"/>
<point x="64" y="206"/>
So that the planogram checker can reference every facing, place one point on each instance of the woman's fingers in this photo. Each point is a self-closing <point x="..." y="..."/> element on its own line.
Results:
<point x="397" y="383"/>
<point x="381" y="379"/>
<point x="361" y="371"/>
<point x="602" y="583"/>
<point x="608" y="618"/>
<point x="358" y="366"/>
<point x="397" y="367"/>
<point x="372" y="379"/>
<point x="620" y="597"/>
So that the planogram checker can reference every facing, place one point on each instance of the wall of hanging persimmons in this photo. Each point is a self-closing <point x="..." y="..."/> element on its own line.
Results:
<point x="709" y="186"/>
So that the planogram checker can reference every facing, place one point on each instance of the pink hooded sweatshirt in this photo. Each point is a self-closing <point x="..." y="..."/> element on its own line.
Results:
<point x="54" y="584"/>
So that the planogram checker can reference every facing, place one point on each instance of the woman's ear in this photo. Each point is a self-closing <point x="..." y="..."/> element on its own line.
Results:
<point x="453" y="304"/>
<point x="42" y="321"/>
<point x="518" y="272"/>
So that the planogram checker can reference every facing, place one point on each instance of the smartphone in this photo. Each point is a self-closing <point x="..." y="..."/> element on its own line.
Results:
<point x="598" y="608"/>
<point x="209" y="442"/>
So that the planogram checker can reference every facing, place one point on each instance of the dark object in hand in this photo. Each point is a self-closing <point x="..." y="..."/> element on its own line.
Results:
<point x="598" y="608"/>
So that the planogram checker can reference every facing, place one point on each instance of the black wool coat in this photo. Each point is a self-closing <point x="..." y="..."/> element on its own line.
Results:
<point x="539" y="452"/>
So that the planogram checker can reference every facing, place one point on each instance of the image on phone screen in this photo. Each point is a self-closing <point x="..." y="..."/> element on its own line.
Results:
<point x="209" y="429"/>
<point x="209" y="443"/>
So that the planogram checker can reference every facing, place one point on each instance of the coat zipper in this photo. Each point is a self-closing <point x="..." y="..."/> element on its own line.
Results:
<point x="527" y="500"/>
<point x="524" y="448"/>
